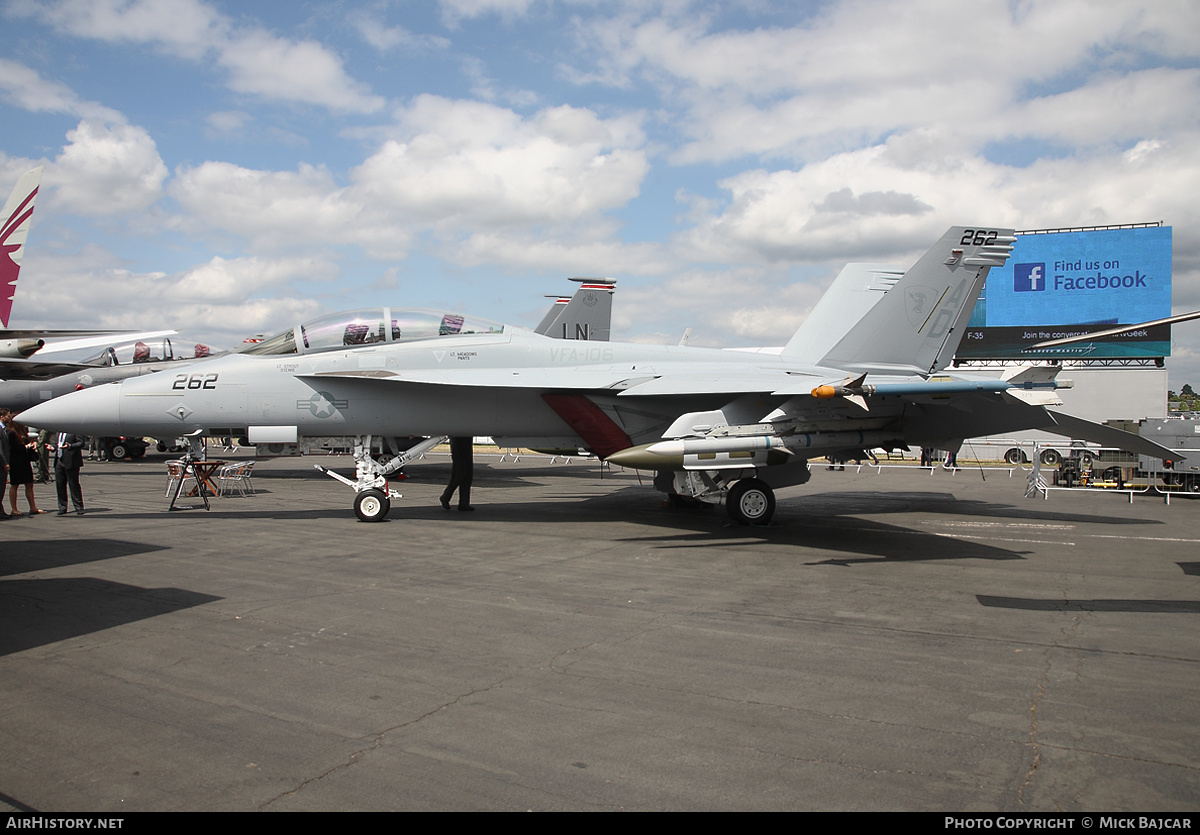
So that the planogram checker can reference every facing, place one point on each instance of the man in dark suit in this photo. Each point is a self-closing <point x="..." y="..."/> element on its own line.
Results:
<point x="68" y="460"/>
<point x="462" y="473"/>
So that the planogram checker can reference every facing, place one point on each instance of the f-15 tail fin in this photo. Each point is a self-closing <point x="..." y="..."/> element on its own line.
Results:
<point x="14" y="226"/>
<point x="586" y="315"/>
<point x="918" y="324"/>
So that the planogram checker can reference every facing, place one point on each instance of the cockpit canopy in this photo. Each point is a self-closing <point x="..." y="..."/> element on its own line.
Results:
<point x="351" y="328"/>
<point x="155" y="350"/>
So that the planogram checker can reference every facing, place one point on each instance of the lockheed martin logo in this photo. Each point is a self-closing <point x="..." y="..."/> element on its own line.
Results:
<point x="1029" y="278"/>
<point x="322" y="404"/>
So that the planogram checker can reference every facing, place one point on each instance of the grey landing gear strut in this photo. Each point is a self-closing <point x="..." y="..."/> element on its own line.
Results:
<point x="372" y="497"/>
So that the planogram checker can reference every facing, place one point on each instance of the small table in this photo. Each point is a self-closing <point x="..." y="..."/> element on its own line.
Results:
<point x="201" y="472"/>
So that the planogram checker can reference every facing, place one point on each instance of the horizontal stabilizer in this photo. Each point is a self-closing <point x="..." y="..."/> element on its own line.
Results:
<point x="1086" y="430"/>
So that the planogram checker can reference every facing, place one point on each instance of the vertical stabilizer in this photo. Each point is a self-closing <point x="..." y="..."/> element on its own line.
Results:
<point x="857" y="288"/>
<point x="918" y="324"/>
<point x="587" y="315"/>
<point x="14" y="226"/>
<point x="552" y="314"/>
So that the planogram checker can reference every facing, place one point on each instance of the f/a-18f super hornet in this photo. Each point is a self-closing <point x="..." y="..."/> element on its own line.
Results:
<point x="114" y="363"/>
<point x="712" y="424"/>
<point x="586" y="315"/>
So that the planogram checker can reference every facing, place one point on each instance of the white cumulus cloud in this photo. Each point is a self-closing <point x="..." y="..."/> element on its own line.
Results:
<point x="464" y="162"/>
<point x="107" y="169"/>
<point x="259" y="62"/>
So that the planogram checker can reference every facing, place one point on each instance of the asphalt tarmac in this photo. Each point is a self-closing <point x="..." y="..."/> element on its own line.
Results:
<point x="893" y="641"/>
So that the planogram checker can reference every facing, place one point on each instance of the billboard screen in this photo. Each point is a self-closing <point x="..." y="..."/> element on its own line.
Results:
<point x="1068" y="283"/>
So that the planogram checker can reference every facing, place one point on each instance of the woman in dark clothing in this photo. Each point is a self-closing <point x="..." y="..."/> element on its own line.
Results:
<point x="20" y="466"/>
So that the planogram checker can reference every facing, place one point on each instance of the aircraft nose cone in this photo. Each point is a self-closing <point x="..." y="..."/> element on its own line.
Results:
<point x="94" y="411"/>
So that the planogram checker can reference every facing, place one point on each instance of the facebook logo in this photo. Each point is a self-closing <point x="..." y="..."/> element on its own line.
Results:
<point x="1029" y="278"/>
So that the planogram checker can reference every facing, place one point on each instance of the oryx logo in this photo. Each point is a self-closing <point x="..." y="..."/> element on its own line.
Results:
<point x="1029" y="278"/>
<point x="322" y="404"/>
<point x="919" y="304"/>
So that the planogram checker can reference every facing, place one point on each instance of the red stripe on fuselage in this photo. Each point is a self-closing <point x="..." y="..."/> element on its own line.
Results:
<point x="590" y="422"/>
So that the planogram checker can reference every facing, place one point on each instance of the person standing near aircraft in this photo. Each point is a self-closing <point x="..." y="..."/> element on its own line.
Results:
<point x="462" y="473"/>
<point x="43" y="459"/>
<point x="5" y="417"/>
<point x="68" y="461"/>
<point x="20" y="467"/>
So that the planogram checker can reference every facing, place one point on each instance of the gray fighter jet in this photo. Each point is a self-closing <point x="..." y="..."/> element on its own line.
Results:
<point x="585" y="315"/>
<point x="712" y="424"/>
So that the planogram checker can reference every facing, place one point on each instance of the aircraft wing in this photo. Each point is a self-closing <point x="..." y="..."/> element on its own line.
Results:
<point x="93" y="338"/>
<point x="763" y="381"/>
<point x="23" y="357"/>
<point x="627" y="381"/>
<point x="597" y="379"/>
<point x="24" y="368"/>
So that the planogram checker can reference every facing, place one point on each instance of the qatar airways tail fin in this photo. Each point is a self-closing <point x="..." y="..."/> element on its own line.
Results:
<point x="14" y="226"/>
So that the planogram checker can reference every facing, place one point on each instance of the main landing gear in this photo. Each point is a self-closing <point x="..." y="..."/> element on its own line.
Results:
<point x="750" y="502"/>
<point x="373" y="497"/>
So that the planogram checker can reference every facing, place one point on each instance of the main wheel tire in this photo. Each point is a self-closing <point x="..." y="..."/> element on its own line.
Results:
<point x="160" y="446"/>
<point x="1050" y="458"/>
<point x="1086" y="459"/>
<point x="372" y="505"/>
<point x="1014" y="456"/>
<point x="750" y="502"/>
<point x="118" y="452"/>
<point x="138" y="452"/>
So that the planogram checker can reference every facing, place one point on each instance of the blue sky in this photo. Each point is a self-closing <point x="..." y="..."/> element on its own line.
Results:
<point x="228" y="169"/>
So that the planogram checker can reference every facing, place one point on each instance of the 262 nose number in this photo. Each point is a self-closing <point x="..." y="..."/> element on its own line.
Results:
<point x="194" y="381"/>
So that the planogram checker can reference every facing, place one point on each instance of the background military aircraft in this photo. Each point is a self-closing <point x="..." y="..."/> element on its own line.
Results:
<point x="53" y="378"/>
<point x="18" y="345"/>
<point x="585" y="315"/>
<point x="713" y="424"/>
